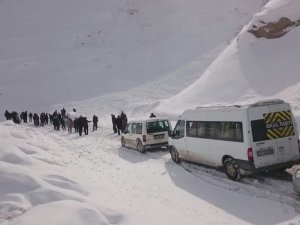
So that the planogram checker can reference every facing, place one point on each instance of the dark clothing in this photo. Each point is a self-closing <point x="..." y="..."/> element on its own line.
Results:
<point x="55" y="121"/>
<point x="30" y="117"/>
<point x="119" y="124"/>
<point x="124" y="121"/>
<point x="114" y="123"/>
<point x="36" y="120"/>
<point x="95" y="122"/>
<point x="152" y="115"/>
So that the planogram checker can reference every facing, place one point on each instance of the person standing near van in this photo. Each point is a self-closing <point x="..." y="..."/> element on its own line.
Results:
<point x="119" y="124"/>
<point x="95" y="123"/>
<point x="114" y="122"/>
<point x="124" y="121"/>
<point x="152" y="115"/>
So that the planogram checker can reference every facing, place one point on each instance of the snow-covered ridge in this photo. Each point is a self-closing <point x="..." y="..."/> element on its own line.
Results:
<point x="250" y="68"/>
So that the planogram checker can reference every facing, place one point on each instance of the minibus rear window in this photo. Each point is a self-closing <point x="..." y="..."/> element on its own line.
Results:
<point x="259" y="130"/>
<point x="157" y="126"/>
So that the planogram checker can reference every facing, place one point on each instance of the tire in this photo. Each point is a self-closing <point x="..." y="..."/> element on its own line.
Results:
<point x="123" y="142"/>
<point x="232" y="169"/>
<point x="139" y="147"/>
<point x="174" y="154"/>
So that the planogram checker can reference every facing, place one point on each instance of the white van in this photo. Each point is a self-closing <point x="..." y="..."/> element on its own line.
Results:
<point x="144" y="134"/>
<point x="241" y="139"/>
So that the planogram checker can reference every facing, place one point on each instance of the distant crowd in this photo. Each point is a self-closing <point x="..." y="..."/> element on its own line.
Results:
<point x="62" y="120"/>
<point x="65" y="120"/>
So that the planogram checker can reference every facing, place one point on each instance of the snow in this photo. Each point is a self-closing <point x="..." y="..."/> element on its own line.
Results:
<point x="92" y="180"/>
<point x="103" y="57"/>
<point x="249" y="69"/>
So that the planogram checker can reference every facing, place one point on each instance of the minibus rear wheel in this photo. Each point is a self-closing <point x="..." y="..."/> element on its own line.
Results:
<point x="232" y="169"/>
<point x="174" y="154"/>
<point x="139" y="147"/>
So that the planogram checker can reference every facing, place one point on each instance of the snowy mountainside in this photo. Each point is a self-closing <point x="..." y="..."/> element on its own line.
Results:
<point x="250" y="68"/>
<point x="60" y="51"/>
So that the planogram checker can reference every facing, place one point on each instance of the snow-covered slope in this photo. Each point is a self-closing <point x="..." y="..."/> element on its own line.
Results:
<point x="54" y="178"/>
<point x="68" y="50"/>
<point x="250" y="68"/>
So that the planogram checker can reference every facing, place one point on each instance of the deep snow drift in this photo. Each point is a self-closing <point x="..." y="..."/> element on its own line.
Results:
<point x="52" y="177"/>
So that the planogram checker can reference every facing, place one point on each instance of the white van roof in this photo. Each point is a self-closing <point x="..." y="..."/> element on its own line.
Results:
<point x="149" y="120"/>
<point x="230" y="108"/>
<point x="256" y="104"/>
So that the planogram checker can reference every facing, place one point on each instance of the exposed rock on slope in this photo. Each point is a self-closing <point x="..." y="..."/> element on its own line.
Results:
<point x="274" y="29"/>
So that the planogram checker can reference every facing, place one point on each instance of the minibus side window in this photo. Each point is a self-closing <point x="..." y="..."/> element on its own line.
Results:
<point x="179" y="129"/>
<point x="133" y="128"/>
<point x="139" y="127"/>
<point x="217" y="130"/>
<point x="128" y="128"/>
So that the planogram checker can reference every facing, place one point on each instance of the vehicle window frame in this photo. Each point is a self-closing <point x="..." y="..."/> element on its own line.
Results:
<point x="180" y="135"/>
<point x="139" y="128"/>
<point x="216" y="130"/>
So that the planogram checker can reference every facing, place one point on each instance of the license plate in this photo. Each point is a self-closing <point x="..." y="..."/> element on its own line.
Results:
<point x="160" y="136"/>
<point x="263" y="152"/>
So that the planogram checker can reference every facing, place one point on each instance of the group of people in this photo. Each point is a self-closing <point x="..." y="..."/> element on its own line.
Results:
<point x="119" y="123"/>
<point x="80" y="124"/>
<point x="64" y="120"/>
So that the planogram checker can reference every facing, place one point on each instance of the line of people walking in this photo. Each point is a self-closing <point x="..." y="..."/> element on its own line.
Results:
<point x="58" y="120"/>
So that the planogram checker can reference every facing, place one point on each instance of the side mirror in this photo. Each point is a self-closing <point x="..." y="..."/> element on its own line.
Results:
<point x="170" y="133"/>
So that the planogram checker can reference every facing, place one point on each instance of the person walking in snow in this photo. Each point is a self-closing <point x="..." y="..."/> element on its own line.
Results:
<point x="30" y="117"/>
<point x="95" y="123"/>
<point x="124" y="121"/>
<point x="119" y="124"/>
<point x="69" y="124"/>
<point x="114" y="122"/>
<point x="152" y="115"/>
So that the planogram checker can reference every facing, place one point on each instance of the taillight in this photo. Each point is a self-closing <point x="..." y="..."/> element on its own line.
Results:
<point x="250" y="154"/>
<point x="144" y="138"/>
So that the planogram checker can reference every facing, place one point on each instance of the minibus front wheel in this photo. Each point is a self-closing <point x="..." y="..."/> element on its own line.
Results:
<point x="232" y="169"/>
<point x="174" y="154"/>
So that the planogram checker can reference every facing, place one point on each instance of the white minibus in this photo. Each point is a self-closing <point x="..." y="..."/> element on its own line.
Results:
<point x="145" y="134"/>
<point x="241" y="139"/>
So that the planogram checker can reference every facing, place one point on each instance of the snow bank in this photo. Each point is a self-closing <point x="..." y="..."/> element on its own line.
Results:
<point x="32" y="184"/>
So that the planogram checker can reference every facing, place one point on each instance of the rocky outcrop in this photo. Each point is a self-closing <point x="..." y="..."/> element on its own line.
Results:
<point x="274" y="30"/>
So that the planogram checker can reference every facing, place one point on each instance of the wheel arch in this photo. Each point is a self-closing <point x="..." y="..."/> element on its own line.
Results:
<point x="225" y="157"/>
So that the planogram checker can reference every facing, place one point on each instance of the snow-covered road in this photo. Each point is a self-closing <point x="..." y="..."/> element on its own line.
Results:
<point x="151" y="189"/>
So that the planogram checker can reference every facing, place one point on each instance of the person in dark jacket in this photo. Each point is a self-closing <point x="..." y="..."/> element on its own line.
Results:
<point x="152" y="115"/>
<point x="95" y="123"/>
<point x="86" y="125"/>
<point x="55" y="121"/>
<point x="119" y="124"/>
<point x="80" y="124"/>
<point x="36" y="120"/>
<point x="30" y="117"/>
<point x="114" y="122"/>
<point x="7" y="115"/>
<point x="124" y="121"/>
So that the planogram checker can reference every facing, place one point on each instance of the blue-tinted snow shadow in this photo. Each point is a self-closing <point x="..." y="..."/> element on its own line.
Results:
<point x="133" y="156"/>
<point x="251" y="207"/>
